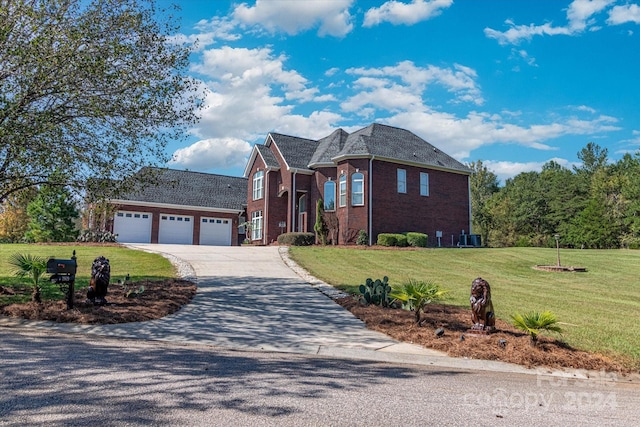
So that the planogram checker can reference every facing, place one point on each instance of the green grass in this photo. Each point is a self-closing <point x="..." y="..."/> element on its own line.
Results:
<point x="598" y="310"/>
<point x="140" y="265"/>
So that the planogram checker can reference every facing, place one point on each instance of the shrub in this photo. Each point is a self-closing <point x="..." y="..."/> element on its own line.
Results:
<point x="297" y="239"/>
<point x="376" y="292"/>
<point x="533" y="323"/>
<point x="32" y="267"/>
<point x="415" y="295"/>
<point x="99" y="236"/>
<point x="387" y="239"/>
<point x="363" y="238"/>
<point x="418" y="240"/>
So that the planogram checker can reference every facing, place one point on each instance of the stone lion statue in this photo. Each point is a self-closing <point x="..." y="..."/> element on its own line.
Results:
<point x="100" y="277"/>
<point x="482" y="313"/>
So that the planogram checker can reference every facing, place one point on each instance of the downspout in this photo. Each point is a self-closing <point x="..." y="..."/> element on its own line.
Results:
<point x="470" y="213"/>
<point x="265" y="217"/>
<point x="370" y="200"/>
<point x="293" y="201"/>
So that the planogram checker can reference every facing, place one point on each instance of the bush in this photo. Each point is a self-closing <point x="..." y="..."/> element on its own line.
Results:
<point x="297" y="239"/>
<point x="418" y="240"/>
<point x="392" y="239"/>
<point x="416" y="295"/>
<point x="363" y="238"/>
<point x="99" y="236"/>
<point x="387" y="239"/>
<point x="376" y="291"/>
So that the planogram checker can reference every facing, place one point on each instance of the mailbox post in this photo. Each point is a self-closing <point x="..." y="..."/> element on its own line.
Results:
<point x="64" y="275"/>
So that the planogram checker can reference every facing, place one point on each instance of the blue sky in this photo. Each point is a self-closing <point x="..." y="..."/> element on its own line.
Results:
<point x="512" y="83"/>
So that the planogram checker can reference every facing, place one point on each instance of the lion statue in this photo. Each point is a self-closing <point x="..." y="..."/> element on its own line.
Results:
<point x="482" y="314"/>
<point x="100" y="277"/>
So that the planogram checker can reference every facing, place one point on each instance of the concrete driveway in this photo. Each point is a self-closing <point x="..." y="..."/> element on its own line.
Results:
<point x="249" y="299"/>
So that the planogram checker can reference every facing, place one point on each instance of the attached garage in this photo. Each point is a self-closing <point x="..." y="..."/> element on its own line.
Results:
<point x="215" y="231"/>
<point x="132" y="227"/>
<point x="175" y="229"/>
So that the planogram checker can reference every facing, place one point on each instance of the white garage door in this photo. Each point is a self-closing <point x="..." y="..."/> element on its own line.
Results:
<point x="176" y="229"/>
<point x="215" y="231"/>
<point x="132" y="227"/>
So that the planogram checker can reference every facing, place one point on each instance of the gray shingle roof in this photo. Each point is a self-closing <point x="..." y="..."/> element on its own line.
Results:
<point x="268" y="156"/>
<point x="329" y="147"/>
<point x="187" y="188"/>
<point x="297" y="152"/>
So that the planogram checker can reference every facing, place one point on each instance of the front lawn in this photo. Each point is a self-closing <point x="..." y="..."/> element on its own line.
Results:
<point x="139" y="265"/>
<point x="599" y="309"/>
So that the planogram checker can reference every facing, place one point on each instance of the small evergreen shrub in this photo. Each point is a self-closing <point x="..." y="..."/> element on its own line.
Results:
<point x="297" y="239"/>
<point x="401" y="241"/>
<point x="387" y="239"/>
<point x="363" y="238"/>
<point x="418" y="240"/>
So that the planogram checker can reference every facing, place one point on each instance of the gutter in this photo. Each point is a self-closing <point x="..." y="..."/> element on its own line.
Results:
<point x="370" y="199"/>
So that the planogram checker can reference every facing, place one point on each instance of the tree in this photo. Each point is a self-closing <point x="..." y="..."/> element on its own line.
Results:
<point x="14" y="219"/>
<point x="90" y="91"/>
<point x="320" y="227"/>
<point x="52" y="214"/>
<point x="484" y="184"/>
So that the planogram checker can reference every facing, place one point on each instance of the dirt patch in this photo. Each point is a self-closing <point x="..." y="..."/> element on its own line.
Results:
<point x="516" y="348"/>
<point x="159" y="299"/>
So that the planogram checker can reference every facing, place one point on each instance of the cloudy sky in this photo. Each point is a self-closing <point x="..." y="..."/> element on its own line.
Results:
<point x="512" y="83"/>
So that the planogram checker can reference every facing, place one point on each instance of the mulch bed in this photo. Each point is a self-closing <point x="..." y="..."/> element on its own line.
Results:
<point x="159" y="299"/>
<point x="550" y="352"/>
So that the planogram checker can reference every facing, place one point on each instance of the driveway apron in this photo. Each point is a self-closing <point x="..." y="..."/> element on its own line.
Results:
<point x="249" y="299"/>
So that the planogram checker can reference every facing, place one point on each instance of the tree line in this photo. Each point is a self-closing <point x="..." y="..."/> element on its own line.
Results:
<point x="595" y="205"/>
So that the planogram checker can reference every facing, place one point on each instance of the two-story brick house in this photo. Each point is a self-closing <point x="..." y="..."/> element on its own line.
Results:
<point x="379" y="179"/>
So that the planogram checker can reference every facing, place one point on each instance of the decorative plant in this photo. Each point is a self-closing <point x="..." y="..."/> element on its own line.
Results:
<point x="376" y="292"/>
<point x="363" y="238"/>
<point x="533" y="323"/>
<point x="128" y="291"/>
<point x="32" y="267"/>
<point x="320" y="227"/>
<point x="415" y="295"/>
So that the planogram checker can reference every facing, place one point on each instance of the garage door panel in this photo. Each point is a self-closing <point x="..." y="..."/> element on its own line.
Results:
<point x="215" y="231"/>
<point x="132" y="227"/>
<point x="175" y="229"/>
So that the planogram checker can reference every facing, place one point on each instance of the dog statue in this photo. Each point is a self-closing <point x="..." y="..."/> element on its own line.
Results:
<point x="100" y="277"/>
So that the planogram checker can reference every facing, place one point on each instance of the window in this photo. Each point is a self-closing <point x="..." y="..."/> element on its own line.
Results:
<point x="402" y="181"/>
<point x="357" y="189"/>
<point x="424" y="184"/>
<point x="343" y="190"/>
<point x="256" y="225"/>
<point x="258" y="185"/>
<point x="330" y="196"/>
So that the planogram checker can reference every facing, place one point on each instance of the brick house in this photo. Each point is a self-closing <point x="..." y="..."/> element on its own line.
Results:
<point x="183" y="208"/>
<point x="379" y="179"/>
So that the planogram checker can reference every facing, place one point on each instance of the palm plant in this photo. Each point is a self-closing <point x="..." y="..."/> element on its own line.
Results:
<point x="32" y="267"/>
<point x="533" y="323"/>
<point x="415" y="295"/>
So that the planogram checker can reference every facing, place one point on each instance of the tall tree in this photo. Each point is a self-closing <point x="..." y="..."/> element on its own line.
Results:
<point x="53" y="214"/>
<point x="483" y="184"/>
<point x="14" y="219"/>
<point x="89" y="90"/>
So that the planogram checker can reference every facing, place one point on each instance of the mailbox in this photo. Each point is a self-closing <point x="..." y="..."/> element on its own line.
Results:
<point x="61" y="266"/>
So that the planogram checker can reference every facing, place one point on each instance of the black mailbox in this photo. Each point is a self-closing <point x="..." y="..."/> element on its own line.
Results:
<point x="61" y="266"/>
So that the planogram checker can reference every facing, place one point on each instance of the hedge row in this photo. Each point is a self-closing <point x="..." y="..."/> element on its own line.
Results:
<point x="297" y="239"/>
<point x="418" y="240"/>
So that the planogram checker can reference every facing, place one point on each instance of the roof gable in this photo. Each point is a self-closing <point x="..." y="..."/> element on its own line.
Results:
<point x="295" y="151"/>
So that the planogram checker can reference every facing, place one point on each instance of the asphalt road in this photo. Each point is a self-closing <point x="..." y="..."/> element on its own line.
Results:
<point x="61" y="379"/>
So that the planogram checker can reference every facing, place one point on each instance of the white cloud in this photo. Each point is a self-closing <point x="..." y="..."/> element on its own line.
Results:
<point x="579" y="18"/>
<point x="398" y="13"/>
<point x="459" y="136"/>
<point x="402" y="85"/>
<point x="209" y="32"/>
<point x="293" y="17"/>
<point x="623" y="14"/>
<point x="214" y="153"/>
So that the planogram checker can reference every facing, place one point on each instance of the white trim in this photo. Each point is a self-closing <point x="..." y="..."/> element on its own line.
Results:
<point x="172" y="206"/>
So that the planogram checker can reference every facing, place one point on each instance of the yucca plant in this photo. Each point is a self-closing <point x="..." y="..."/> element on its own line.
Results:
<point x="32" y="267"/>
<point x="533" y="323"/>
<point x="415" y="295"/>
